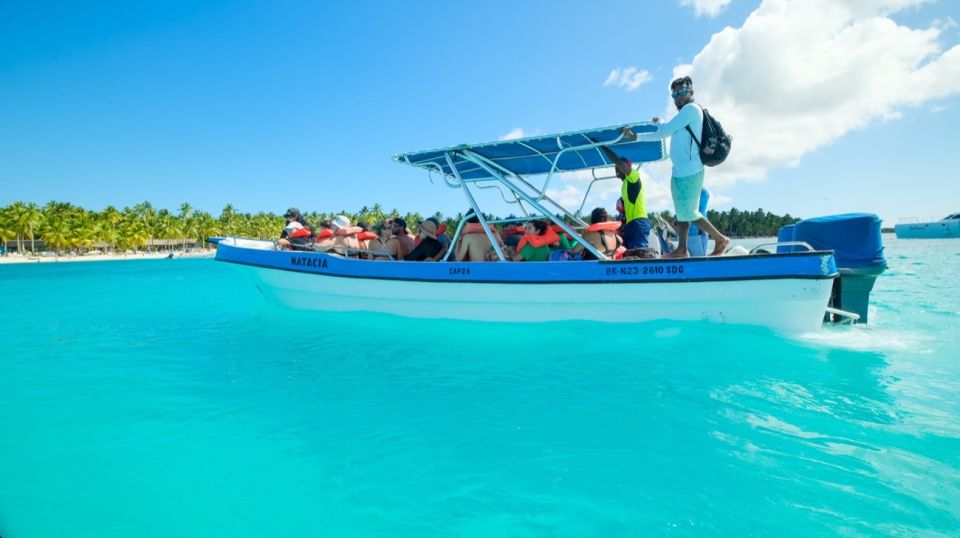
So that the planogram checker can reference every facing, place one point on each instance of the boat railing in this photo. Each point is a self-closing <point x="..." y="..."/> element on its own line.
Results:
<point x="347" y="251"/>
<point x="759" y="249"/>
<point x="463" y="221"/>
<point x="590" y="186"/>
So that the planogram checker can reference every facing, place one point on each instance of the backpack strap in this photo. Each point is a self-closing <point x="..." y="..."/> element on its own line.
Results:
<point x="693" y="136"/>
<point x="689" y="130"/>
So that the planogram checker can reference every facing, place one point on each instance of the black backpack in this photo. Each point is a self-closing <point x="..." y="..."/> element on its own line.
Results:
<point x="716" y="142"/>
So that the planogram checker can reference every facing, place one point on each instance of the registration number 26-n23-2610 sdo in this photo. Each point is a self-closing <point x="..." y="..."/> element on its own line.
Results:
<point x="645" y="270"/>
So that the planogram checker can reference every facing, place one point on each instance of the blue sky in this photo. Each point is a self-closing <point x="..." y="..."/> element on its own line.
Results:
<point x="271" y="104"/>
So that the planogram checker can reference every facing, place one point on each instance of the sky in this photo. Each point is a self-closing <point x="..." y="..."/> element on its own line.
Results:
<point x="834" y="106"/>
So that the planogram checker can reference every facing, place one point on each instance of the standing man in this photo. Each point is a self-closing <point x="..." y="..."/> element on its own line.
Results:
<point x="686" y="180"/>
<point x="636" y="227"/>
<point x="697" y="243"/>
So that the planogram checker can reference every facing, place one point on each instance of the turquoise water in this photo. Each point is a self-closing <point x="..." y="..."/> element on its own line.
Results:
<point x="163" y="398"/>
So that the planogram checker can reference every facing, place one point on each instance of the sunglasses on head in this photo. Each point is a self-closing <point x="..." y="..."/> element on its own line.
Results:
<point x="679" y="93"/>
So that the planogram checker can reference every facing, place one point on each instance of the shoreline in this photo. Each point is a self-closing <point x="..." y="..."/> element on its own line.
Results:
<point x="8" y="259"/>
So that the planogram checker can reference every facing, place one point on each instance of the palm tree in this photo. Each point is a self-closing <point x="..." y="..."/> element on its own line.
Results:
<point x="30" y="220"/>
<point x="228" y="220"/>
<point x="7" y="228"/>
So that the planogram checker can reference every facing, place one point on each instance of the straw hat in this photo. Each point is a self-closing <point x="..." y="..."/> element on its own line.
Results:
<point x="429" y="227"/>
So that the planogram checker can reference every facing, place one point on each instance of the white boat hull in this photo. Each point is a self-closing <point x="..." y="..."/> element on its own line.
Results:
<point x="791" y="305"/>
<point x="940" y="229"/>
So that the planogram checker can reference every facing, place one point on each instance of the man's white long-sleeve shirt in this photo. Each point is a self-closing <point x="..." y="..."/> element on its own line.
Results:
<point x="684" y="153"/>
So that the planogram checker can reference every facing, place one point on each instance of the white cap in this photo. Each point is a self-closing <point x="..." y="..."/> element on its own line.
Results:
<point x="341" y="222"/>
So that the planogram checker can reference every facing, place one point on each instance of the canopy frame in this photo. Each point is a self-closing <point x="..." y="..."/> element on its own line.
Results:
<point x="494" y="172"/>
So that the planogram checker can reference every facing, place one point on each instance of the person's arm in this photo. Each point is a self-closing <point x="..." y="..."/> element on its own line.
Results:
<point x="616" y="160"/>
<point x="439" y="256"/>
<point x="686" y="117"/>
<point x="462" y="250"/>
<point x="393" y="247"/>
<point x="419" y="253"/>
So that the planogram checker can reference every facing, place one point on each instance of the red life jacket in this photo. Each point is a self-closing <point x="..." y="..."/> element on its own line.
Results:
<point x="325" y="233"/>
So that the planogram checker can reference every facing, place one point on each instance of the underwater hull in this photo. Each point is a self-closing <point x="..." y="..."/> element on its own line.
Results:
<point x="783" y="292"/>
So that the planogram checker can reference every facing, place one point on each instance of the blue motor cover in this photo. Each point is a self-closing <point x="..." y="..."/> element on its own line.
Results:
<point x="854" y="237"/>
<point x="785" y="236"/>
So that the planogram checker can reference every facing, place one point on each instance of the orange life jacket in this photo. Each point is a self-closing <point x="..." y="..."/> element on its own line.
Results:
<point x="325" y="233"/>
<point x="547" y="239"/>
<point x="609" y="226"/>
<point x="366" y="236"/>
<point x="557" y="229"/>
<point x="477" y="228"/>
<point x="298" y="233"/>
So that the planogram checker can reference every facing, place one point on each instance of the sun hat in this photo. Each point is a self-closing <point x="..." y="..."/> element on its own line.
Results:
<point x="341" y="222"/>
<point x="429" y="227"/>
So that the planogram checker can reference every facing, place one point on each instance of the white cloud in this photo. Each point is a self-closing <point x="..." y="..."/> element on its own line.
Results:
<point x="798" y="74"/>
<point x="629" y="78"/>
<point x="514" y="134"/>
<point x="710" y="8"/>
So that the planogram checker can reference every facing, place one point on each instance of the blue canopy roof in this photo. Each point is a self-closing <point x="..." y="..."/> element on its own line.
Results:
<point x="537" y="154"/>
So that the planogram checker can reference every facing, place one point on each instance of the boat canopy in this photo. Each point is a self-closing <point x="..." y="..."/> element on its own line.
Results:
<point x="544" y="154"/>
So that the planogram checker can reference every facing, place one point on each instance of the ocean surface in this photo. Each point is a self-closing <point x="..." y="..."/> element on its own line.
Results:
<point x="166" y="398"/>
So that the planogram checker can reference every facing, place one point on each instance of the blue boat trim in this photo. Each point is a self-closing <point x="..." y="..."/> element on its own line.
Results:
<point x="798" y="265"/>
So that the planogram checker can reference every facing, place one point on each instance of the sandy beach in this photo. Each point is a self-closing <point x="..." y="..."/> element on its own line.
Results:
<point x="13" y="258"/>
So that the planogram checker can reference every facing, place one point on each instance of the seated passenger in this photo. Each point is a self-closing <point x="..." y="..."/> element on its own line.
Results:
<point x="345" y="236"/>
<point x="512" y="234"/>
<point x="325" y="237"/>
<point x="429" y="248"/>
<point x="602" y="235"/>
<point x="442" y="237"/>
<point x="379" y="243"/>
<point x="365" y="236"/>
<point x="474" y="245"/>
<point x="296" y="234"/>
<point x="399" y="244"/>
<point x="537" y="243"/>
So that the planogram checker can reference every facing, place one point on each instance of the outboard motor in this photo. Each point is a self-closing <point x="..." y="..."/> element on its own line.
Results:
<point x="857" y="246"/>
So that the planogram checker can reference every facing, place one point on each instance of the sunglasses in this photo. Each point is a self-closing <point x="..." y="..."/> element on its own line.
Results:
<point x="679" y="93"/>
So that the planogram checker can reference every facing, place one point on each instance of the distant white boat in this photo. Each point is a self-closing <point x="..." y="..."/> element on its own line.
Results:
<point x="938" y="229"/>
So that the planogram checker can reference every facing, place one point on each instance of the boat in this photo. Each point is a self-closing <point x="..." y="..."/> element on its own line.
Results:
<point x="946" y="227"/>
<point x="785" y="291"/>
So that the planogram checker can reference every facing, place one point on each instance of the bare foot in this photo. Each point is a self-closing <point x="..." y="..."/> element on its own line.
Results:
<point x="677" y="254"/>
<point x="721" y="246"/>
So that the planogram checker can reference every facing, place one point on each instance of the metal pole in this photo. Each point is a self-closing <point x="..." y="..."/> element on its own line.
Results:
<point x="586" y="244"/>
<point x="476" y="209"/>
<point x="490" y="164"/>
